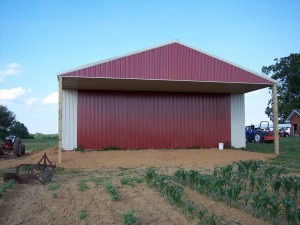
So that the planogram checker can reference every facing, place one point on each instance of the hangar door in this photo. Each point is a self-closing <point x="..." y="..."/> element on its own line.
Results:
<point x="140" y="120"/>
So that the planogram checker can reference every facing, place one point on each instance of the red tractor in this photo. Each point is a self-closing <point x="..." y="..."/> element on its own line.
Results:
<point x="12" y="144"/>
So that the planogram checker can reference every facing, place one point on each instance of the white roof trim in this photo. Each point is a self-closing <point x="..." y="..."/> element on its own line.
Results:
<point x="292" y="114"/>
<point x="161" y="45"/>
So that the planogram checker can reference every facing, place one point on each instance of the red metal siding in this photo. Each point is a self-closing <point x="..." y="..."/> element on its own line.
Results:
<point x="152" y="120"/>
<point x="293" y="121"/>
<point x="170" y="62"/>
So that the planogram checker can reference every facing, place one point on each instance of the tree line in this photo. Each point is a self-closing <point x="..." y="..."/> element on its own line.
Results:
<point x="10" y="126"/>
<point x="286" y="71"/>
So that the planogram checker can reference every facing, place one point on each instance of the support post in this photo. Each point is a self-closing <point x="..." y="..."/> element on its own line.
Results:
<point x="275" y="119"/>
<point x="59" y="154"/>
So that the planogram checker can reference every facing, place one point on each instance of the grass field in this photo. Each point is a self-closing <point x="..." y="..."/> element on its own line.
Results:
<point x="39" y="144"/>
<point x="289" y="152"/>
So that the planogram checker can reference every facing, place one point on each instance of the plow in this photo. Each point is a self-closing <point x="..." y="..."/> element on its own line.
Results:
<point x="43" y="171"/>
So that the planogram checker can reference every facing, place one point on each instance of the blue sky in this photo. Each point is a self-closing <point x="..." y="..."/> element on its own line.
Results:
<point x="39" y="39"/>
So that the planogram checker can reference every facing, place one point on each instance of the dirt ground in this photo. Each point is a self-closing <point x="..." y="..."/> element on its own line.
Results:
<point x="37" y="204"/>
<point x="187" y="159"/>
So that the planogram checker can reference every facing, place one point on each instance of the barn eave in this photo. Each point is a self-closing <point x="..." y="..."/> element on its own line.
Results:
<point x="127" y="84"/>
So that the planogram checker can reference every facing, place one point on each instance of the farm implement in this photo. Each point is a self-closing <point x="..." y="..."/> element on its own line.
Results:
<point x="42" y="171"/>
<point x="260" y="134"/>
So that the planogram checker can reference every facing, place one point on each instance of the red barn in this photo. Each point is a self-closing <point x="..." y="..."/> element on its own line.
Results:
<point x="169" y="96"/>
<point x="294" y="119"/>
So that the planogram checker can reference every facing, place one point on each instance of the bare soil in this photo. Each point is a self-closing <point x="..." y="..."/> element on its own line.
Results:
<point x="37" y="204"/>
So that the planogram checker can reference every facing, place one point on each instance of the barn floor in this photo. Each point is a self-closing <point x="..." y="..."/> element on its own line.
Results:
<point x="45" y="204"/>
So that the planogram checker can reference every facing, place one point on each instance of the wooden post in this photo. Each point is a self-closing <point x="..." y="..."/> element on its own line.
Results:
<point x="275" y="119"/>
<point x="59" y="119"/>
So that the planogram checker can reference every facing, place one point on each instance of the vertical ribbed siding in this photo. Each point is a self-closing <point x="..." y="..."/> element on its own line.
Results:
<point x="152" y="120"/>
<point x="69" y="119"/>
<point x="170" y="62"/>
<point x="238" y="121"/>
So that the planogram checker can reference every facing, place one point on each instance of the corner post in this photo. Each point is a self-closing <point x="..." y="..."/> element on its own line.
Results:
<point x="59" y="154"/>
<point x="275" y="119"/>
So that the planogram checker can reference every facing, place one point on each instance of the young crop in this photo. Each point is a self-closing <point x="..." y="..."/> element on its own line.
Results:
<point x="129" y="218"/>
<point x="7" y="186"/>
<point x="180" y="176"/>
<point x="189" y="209"/>
<point x="173" y="192"/>
<point x="275" y="208"/>
<point x="291" y="211"/>
<point x="112" y="191"/>
<point x="54" y="187"/>
<point x="260" y="202"/>
<point x="97" y="181"/>
<point x="130" y="180"/>
<point x="54" y="195"/>
<point x="82" y="185"/>
<point x="82" y="214"/>
<point x="258" y="185"/>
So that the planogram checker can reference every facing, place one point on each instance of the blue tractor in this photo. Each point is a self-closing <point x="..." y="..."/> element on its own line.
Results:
<point x="259" y="134"/>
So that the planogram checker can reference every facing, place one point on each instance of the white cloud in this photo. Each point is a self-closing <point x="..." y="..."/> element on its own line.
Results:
<point x="9" y="70"/>
<point x="31" y="101"/>
<point x="52" y="98"/>
<point x="11" y="94"/>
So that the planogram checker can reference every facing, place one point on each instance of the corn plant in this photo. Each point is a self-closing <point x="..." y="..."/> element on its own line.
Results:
<point x="276" y="185"/>
<point x="180" y="176"/>
<point x="53" y="187"/>
<point x="97" y="181"/>
<point x="112" y="191"/>
<point x="82" y="214"/>
<point x="235" y="192"/>
<point x="275" y="208"/>
<point x="291" y="211"/>
<point x="130" y="180"/>
<point x="189" y="209"/>
<point x="129" y="218"/>
<point x="7" y="186"/>
<point x="82" y="185"/>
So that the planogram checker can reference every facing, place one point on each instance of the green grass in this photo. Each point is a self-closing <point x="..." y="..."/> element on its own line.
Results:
<point x="39" y="144"/>
<point x="289" y="152"/>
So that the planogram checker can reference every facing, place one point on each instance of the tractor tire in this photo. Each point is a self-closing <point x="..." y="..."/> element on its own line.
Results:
<point x="258" y="137"/>
<point x="23" y="149"/>
<point x="17" y="147"/>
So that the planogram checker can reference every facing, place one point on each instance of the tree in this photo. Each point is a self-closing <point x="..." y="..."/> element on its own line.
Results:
<point x="20" y="130"/>
<point x="286" y="71"/>
<point x="7" y="118"/>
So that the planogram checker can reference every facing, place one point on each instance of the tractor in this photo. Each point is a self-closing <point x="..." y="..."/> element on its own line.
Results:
<point x="12" y="144"/>
<point x="259" y="134"/>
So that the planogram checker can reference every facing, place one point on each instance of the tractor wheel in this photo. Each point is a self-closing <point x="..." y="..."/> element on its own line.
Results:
<point x="258" y="137"/>
<point x="23" y="149"/>
<point x="17" y="147"/>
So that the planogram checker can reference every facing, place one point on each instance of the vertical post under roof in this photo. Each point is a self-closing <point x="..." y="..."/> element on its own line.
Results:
<point x="59" y="119"/>
<point x="275" y="119"/>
